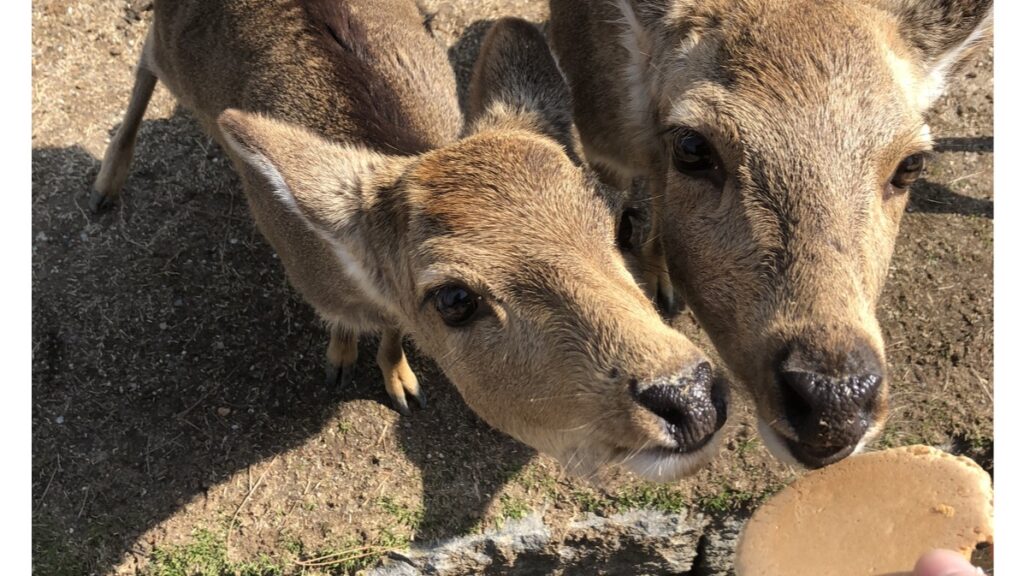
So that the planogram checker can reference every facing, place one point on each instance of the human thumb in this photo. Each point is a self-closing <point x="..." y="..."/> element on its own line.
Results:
<point x="944" y="563"/>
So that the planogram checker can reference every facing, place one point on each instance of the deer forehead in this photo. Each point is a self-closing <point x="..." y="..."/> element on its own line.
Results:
<point x="791" y="56"/>
<point x="860" y="37"/>
<point x="507" y="187"/>
<point x="807" y="103"/>
<point x="822" y="139"/>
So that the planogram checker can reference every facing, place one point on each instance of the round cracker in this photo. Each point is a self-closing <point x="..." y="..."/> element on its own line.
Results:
<point x="873" y="514"/>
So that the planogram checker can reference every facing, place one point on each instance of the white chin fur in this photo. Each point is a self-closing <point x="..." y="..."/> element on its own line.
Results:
<point x="869" y="436"/>
<point x="667" y="467"/>
<point x="777" y="445"/>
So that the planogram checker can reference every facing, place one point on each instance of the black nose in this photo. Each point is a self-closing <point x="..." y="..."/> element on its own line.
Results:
<point x="829" y="399"/>
<point x="693" y="406"/>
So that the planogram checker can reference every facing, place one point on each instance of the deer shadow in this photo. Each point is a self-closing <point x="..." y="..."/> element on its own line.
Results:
<point x="169" y="354"/>
<point x="934" y="198"/>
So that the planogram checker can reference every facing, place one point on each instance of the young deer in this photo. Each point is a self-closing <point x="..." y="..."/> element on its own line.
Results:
<point x="495" y="252"/>
<point x="778" y="138"/>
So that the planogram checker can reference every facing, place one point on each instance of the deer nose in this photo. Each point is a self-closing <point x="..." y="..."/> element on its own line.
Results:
<point x="693" y="405"/>
<point x="829" y="405"/>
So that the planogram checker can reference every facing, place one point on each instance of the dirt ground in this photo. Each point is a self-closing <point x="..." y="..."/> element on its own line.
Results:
<point x="179" y="419"/>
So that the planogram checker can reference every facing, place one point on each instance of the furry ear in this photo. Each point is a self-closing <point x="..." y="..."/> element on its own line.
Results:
<point x="320" y="181"/>
<point x="516" y="84"/>
<point x="649" y="13"/>
<point x="323" y="183"/>
<point x="944" y="32"/>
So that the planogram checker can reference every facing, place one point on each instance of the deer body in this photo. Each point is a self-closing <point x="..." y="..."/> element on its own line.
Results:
<point x="778" y="138"/>
<point x="489" y="246"/>
<point x="196" y="50"/>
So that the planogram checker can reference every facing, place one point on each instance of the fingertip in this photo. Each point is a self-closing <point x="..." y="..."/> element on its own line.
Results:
<point x="944" y="563"/>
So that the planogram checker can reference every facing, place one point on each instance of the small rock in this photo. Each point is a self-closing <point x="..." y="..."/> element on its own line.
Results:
<point x="59" y="419"/>
<point x="721" y="538"/>
<point x="223" y="411"/>
<point x="636" y="542"/>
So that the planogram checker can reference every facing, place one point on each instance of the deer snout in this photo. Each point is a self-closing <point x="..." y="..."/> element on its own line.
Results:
<point x="691" y="405"/>
<point x="830" y="405"/>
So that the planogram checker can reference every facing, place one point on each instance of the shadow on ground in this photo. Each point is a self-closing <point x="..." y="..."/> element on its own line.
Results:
<point x="930" y="197"/>
<point x="169" y="354"/>
<point x="933" y="198"/>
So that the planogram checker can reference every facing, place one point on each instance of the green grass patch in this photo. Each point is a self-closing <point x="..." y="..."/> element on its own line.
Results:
<point x="640" y="496"/>
<point x="893" y="437"/>
<point x="588" y="501"/>
<point x="651" y="496"/>
<point x="293" y="545"/>
<point x="729" y="499"/>
<point x="409" y="516"/>
<point x="206" y="555"/>
<point x="513" y="508"/>
<point x="534" y="479"/>
<point x="351" y="557"/>
<point x="747" y="445"/>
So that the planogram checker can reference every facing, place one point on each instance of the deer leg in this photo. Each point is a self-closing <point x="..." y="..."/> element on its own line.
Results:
<point x="655" y="277"/>
<point x="652" y="256"/>
<point x="398" y="377"/>
<point x="118" y="158"/>
<point x="342" y="352"/>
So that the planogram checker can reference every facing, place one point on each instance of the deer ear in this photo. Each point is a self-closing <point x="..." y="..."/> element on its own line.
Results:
<point x="516" y="84"/>
<point x="325" y="184"/>
<point x="322" y="182"/>
<point x="944" y="32"/>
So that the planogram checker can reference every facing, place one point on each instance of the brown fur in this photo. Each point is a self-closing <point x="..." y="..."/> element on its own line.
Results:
<point x="497" y="93"/>
<point x="810" y="105"/>
<point x="342" y="119"/>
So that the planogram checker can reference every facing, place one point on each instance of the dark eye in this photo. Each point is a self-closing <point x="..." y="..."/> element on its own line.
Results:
<point x="456" y="304"/>
<point x="908" y="171"/>
<point x="692" y="153"/>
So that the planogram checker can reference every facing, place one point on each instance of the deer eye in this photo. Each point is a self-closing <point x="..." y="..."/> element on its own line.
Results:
<point x="692" y="154"/>
<point x="456" y="304"/>
<point x="908" y="171"/>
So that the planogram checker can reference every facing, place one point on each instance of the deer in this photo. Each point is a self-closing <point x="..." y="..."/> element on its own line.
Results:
<point x="483" y="239"/>
<point x="777" y="140"/>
